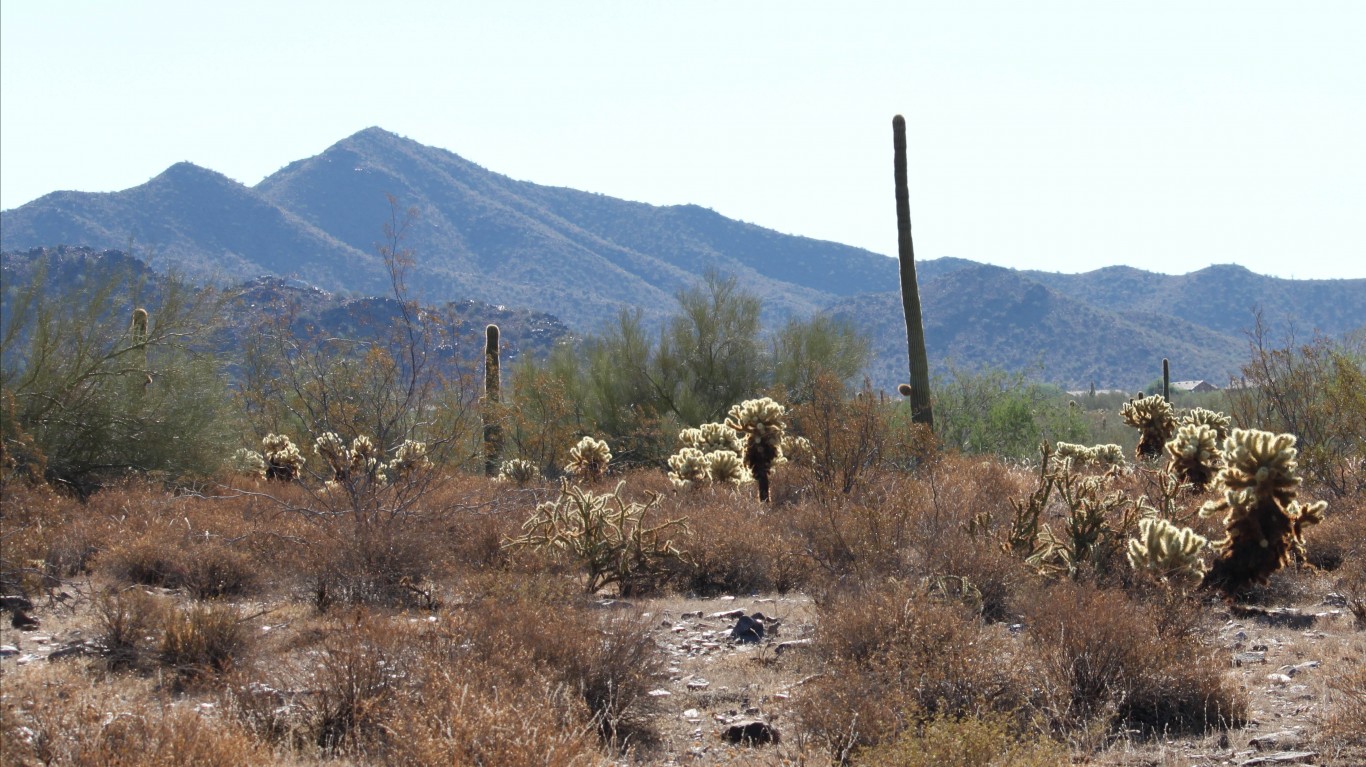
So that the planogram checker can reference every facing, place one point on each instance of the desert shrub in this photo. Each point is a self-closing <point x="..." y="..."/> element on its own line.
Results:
<point x="895" y="657"/>
<point x="1344" y="727"/>
<point x="735" y="549"/>
<point x="217" y="570"/>
<point x="1103" y="657"/>
<point x="126" y="623"/>
<point x="203" y="641"/>
<point x="966" y="741"/>
<point x="849" y="437"/>
<point x="1315" y="391"/>
<point x="157" y="557"/>
<point x="1002" y="413"/>
<point x="61" y="717"/>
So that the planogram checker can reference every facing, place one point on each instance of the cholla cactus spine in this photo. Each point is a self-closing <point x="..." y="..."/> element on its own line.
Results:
<point x="761" y="421"/>
<point x="409" y="459"/>
<point x="1168" y="551"/>
<point x="589" y="459"/>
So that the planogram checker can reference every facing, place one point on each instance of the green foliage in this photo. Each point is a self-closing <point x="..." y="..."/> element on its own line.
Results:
<point x="90" y="397"/>
<point x="1317" y="392"/>
<point x="806" y="350"/>
<point x="606" y="534"/>
<point x="1003" y="414"/>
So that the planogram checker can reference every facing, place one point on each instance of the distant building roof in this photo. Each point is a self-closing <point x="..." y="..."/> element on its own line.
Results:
<point x="1194" y="386"/>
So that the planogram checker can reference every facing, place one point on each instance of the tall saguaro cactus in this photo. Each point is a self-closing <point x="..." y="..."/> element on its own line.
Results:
<point x="493" y="432"/>
<point x="919" y="388"/>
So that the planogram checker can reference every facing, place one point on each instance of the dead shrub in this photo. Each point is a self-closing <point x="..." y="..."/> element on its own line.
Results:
<point x="866" y="535"/>
<point x="1104" y="657"/>
<point x="203" y="641"/>
<point x="735" y="548"/>
<point x="127" y="622"/>
<point x="157" y="556"/>
<point x="895" y="657"/>
<point x="1344" y="728"/>
<point x="215" y="570"/>
<point x="61" y="717"/>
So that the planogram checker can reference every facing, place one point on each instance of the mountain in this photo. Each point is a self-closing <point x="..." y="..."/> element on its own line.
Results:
<point x="1224" y="297"/>
<point x="978" y="315"/>
<point x="481" y="236"/>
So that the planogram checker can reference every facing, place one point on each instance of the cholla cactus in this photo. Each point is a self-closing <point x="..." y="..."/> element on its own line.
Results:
<point x="1109" y="456"/>
<point x="1198" y="416"/>
<point x="1265" y="522"/>
<point x="411" y="457"/>
<point x="353" y="463"/>
<point x="1193" y="454"/>
<point x="797" y="449"/>
<point x="710" y="437"/>
<point x="1167" y="551"/>
<point x="606" y="533"/>
<point x="282" y="457"/>
<point x="519" y="472"/>
<point x="688" y="467"/>
<point x="589" y="459"/>
<point x="249" y="462"/>
<point x="761" y="421"/>
<point x="1153" y="417"/>
<point x="725" y="466"/>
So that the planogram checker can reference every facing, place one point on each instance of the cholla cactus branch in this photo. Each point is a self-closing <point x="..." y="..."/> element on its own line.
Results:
<point x="1264" y="521"/>
<point x="1199" y="416"/>
<point x="688" y="468"/>
<point x="1153" y="417"/>
<point x="761" y="421"/>
<point x="410" y="459"/>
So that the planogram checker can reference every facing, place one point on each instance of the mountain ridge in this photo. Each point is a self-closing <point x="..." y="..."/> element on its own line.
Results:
<point x="583" y="257"/>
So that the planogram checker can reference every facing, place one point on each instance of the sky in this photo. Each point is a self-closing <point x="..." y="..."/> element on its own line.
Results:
<point x="1063" y="136"/>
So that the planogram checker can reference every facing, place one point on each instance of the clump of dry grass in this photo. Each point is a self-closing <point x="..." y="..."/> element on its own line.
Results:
<point x="894" y="656"/>
<point x="735" y="546"/>
<point x="1344" y="729"/>
<point x="967" y="741"/>
<point x="1104" y="657"/>
<point x="59" y="716"/>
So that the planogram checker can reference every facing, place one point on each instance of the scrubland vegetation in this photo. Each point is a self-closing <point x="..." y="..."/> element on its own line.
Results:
<point x="308" y="562"/>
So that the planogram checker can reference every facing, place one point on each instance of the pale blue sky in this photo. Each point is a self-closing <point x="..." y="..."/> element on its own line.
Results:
<point x="1043" y="135"/>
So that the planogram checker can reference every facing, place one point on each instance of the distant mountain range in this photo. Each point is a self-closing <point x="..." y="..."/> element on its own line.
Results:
<point x="484" y="237"/>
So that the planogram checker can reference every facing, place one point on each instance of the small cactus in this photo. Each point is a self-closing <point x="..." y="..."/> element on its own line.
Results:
<point x="710" y="437"/>
<point x="1265" y="522"/>
<point x="283" y="460"/>
<point x="726" y="467"/>
<point x="1153" y="417"/>
<point x="409" y="459"/>
<point x="519" y="472"/>
<point x="248" y="462"/>
<point x="761" y="421"/>
<point x="589" y="459"/>
<point x="1167" y="551"/>
<point x="360" y="460"/>
<point x="1109" y="456"/>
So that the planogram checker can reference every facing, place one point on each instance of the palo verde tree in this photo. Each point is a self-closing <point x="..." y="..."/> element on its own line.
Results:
<point x="90" y="396"/>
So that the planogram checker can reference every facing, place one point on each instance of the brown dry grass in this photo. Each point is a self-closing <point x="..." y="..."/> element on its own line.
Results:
<point x="431" y="643"/>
